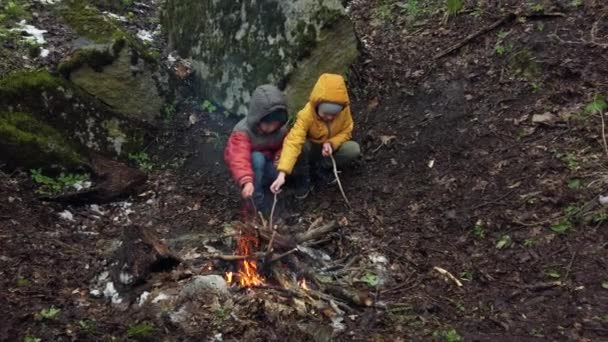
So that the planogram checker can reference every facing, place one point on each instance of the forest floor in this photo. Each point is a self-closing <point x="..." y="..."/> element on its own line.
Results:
<point x="487" y="162"/>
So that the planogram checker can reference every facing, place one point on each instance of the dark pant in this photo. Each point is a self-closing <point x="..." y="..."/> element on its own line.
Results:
<point x="264" y="173"/>
<point x="311" y="155"/>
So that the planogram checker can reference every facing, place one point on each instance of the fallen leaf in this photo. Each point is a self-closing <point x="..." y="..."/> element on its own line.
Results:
<point x="546" y="118"/>
<point x="193" y="119"/>
<point x="373" y="104"/>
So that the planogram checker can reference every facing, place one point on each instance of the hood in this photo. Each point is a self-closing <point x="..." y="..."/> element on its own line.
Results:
<point x="329" y="88"/>
<point x="265" y="100"/>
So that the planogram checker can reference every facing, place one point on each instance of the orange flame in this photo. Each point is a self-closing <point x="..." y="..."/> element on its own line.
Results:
<point x="229" y="277"/>
<point x="303" y="284"/>
<point x="248" y="269"/>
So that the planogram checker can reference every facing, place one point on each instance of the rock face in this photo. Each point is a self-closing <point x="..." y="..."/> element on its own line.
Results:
<point x="45" y="122"/>
<point x="112" y="65"/>
<point x="238" y="45"/>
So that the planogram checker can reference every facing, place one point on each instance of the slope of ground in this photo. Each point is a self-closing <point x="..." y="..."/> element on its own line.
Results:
<point x="487" y="162"/>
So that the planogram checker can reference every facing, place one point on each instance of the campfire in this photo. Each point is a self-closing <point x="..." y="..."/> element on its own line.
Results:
<point x="248" y="269"/>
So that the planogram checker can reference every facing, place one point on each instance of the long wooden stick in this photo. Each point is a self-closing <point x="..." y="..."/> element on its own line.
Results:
<point x="333" y="162"/>
<point x="509" y="17"/>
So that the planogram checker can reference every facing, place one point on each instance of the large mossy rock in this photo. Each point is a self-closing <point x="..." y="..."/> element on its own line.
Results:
<point x="112" y="65"/>
<point x="238" y="45"/>
<point x="45" y="121"/>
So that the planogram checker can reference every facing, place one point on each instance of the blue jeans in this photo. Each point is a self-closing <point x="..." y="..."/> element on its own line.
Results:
<point x="264" y="173"/>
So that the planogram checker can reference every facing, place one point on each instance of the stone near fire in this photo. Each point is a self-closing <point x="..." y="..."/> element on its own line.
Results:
<point x="200" y="285"/>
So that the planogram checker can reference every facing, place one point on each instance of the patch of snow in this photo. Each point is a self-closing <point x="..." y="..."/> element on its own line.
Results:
<point x="126" y="278"/>
<point x="36" y="35"/>
<point x="337" y="324"/>
<point x="49" y="2"/>
<point x="44" y="53"/>
<point x="111" y="293"/>
<point x="142" y="299"/>
<point x="82" y="185"/>
<point x="160" y="297"/>
<point x="603" y="200"/>
<point x="95" y="209"/>
<point x="95" y="293"/>
<point x="66" y="215"/>
<point x="115" y="16"/>
<point x="378" y="258"/>
<point x="145" y="36"/>
<point x="171" y="59"/>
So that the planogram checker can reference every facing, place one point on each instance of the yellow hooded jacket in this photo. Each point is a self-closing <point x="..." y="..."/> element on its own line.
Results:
<point x="329" y="88"/>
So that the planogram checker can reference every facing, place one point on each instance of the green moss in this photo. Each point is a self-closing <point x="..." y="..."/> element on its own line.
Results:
<point x="327" y="16"/>
<point x="31" y="143"/>
<point x="87" y="21"/>
<point x="113" y="128"/>
<point x="305" y="37"/>
<point x="335" y="52"/>
<point x="95" y="58"/>
<point x="21" y="82"/>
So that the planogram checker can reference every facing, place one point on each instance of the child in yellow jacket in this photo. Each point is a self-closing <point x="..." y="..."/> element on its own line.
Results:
<point x="322" y="129"/>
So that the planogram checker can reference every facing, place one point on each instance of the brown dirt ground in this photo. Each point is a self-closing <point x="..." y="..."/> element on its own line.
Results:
<point x="495" y="176"/>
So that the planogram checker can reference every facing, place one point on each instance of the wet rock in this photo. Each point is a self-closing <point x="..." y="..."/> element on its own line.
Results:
<point x="200" y="285"/>
<point x="46" y="122"/>
<point x="269" y="42"/>
<point x="113" y="65"/>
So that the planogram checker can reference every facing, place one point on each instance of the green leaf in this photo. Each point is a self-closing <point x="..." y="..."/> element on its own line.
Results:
<point x="141" y="330"/>
<point x="370" y="279"/>
<point x="605" y="285"/>
<point x="553" y="274"/>
<point x="454" y="6"/>
<point x="50" y="313"/>
<point x="575" y="184"/>
<point x="597" y="106"/>
<point x="562" y="227"/>
<point x="504" y="242"/>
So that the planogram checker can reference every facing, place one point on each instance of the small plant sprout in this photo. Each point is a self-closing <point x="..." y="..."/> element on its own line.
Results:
<point x="466" y="276"/>
<point x="597" y="106"/>
<point x="478" y="230"/>
<point x="553" y="273"/>
<point x="504" y="242"/>
<point x="142" y="159"/>
<point x="575" y="184"/>
<point x="51" y="186"/>
<point x="561" y="227"/>
<point x="31" y="339"/>
<point x="50" y="313"/>
<point x="529" y="243"/>
<point x="452" y="8"/>
<point x="450" y="335"/>
<point x="208" y="106"/>
<point x="140" y="330"/>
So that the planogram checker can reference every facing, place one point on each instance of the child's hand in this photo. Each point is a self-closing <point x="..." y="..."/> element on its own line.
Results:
<point x="278" y="183"/>
<point x="327" y="149"/>
<point x="247" y="191"/>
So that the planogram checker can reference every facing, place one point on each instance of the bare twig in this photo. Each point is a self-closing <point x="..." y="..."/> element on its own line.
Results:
<point x="570" y="266"/>
<point x="333" y="162"/>
<point x="274" y="204"/>
<point x="449" y="275"/>
<point x="509" y="17"/>
<point x="604" y="133"/>
<point x="281" y="256"/>
<point x="234" y="257"/>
